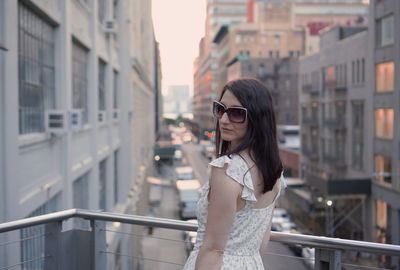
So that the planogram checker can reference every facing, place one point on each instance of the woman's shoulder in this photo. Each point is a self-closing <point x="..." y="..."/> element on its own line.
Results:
<point x="230" y="160"/>
<point x="237" y="170"/>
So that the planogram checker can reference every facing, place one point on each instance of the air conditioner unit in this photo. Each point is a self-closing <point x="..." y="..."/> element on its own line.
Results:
<point x="115" y="114"/>
<point x="110" y="26"/>
<point x="55" y="121"/>
<point x="75" y="119"/>
<point x="101" y="117"/>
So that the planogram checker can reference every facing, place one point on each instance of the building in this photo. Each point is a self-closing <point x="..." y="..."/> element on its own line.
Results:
<point x="219" y="12"/>
<point x="273" y="29"/>
<point x="178" y="100"/>
<point x="334" y="101"/>
<point x="350" y="162"/>
<point x="92" y="69"/>
<point x="384" y="82"/>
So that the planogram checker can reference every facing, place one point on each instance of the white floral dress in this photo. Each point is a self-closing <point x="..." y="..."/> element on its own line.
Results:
<point x="249" y="225"/>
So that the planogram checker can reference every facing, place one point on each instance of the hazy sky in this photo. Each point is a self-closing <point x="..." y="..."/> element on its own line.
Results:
<point x="179" y="26"/>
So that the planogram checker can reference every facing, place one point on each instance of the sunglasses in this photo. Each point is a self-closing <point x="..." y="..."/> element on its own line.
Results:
<point x="235" y="114"/>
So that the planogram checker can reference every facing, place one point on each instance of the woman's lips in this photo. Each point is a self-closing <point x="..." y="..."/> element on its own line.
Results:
<point x="226" y="129"/>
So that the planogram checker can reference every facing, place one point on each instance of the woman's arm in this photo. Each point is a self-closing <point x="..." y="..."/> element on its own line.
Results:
<point x="265" y="241"/>
<point x="223" y="196"/>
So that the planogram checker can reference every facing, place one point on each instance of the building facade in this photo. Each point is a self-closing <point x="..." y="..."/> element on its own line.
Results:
<point x="384" y="85"/>
<point x="205" y="81"/>
<point x="78" y="103"/>
<point x="349" y="161"/>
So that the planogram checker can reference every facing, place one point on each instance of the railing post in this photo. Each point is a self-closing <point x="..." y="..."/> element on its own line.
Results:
<point x="327" y="259"/>
<point x="98" y="245"/>
<point x="52" y="246"/>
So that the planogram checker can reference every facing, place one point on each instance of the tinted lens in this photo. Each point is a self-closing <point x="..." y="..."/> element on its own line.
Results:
<point x="236" y="115"/>
<point x="218" y="110"/>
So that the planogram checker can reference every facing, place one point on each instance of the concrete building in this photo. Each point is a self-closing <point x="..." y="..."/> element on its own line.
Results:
<point x="219" y="12"/>
<point x="384" y="81"/>
<point x="334" y="141"/>
<point x="273" y="29"/>
<point x="178" y="100"/>
<point x="350" y="162"/>
<point x="94" y="67"/>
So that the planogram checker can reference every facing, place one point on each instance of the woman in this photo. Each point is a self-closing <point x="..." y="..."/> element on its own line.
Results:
<point x="236" y="205"/>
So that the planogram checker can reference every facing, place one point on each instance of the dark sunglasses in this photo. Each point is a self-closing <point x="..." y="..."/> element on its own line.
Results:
<point x="235" y="114"/>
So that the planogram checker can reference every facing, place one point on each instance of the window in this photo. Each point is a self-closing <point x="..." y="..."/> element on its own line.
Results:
<point x="382" y="211"/>
<point x="330" y="73"/>
<point x="271" y="54"/>
<point x="385" y="31"/>
<point x="363" y="70"/>
<point x="358" y="134"/>
<point x="102" y="185"/>
<point x="115" y="89"/>
<point x="383" y="169"/>
<point x="116" y="175"/>
<point x="102" y="86"/>
<point x="353" y="72"/>
<point x="358" y="71"/>
<point x="79" y="79"/>
<point x="101" y="8"/>
<point x="384" y="77"/>
<point x="81" y="192"/>
<point x="384" y="123"/>
<point x="115" y="9"/>
<point x="36" y="70"/>
<point x="32" y="247"/>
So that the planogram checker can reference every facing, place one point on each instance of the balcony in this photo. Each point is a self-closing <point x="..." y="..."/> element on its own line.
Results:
<point x="340" y="89"/>
<point x="336" y="124"/>
<point x="311" y="121"/>
<point x="335" y="161"/>
<point x="310" y="89"/>
<point x="310" y="154"/>
<point x="330" y="83"/>
<point x="87" y="248"/>
<point x="336" y="186"/>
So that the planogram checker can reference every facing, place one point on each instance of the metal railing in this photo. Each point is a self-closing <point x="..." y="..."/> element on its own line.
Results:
<point x="91" y="250"/>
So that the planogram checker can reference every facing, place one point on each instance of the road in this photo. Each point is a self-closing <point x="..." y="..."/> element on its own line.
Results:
<point x="279" y="256"/>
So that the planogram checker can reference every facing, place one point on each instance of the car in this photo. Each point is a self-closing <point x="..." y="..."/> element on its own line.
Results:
<point x="184" y="173"/>
<point x="188" y="196"/>
<point x="208" y="151"/>
<point x="190" y="237"/>
<point x="280" y="215"/>
<point x="309" y="255"/>
<point x="286" y="227"/>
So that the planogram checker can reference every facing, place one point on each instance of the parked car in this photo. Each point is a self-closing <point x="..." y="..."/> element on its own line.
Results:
<point x="280" y="215"/>
<point x="190" y="237"/>
<point x="188" y="196"/>
<point x="309" y="255"/>
<point x="184" y="173"/>
<point x="286" y="227"/>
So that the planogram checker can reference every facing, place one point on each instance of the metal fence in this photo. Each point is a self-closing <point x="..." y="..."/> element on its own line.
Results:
<point x="71" y="248"/>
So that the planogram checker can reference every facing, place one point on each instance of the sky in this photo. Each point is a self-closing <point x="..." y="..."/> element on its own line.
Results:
<point x="178" y="26"/>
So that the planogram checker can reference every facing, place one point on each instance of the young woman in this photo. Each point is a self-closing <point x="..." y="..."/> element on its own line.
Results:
<point x="236" y="205"/>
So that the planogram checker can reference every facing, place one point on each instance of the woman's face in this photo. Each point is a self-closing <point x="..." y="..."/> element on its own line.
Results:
<point x="231" y="132"/>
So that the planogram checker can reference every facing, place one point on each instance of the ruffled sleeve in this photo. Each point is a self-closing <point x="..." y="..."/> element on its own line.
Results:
<point x="238" y="170"/>
<point x="282" y="187"/>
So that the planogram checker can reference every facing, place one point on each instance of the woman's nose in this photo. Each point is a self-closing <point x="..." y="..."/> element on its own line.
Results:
<point x="224" y="118"/>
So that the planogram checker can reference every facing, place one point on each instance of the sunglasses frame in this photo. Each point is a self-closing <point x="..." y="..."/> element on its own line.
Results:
<point x="226" y="110"/>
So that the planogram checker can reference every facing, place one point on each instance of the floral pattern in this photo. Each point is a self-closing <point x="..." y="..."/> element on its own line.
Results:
<point x="249" y="226"/>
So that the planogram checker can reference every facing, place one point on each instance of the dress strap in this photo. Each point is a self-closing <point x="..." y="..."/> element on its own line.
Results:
<point x="238" y="171"/>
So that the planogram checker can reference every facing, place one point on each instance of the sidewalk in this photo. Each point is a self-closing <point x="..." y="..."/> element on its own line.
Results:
<point x="160" y="250"/>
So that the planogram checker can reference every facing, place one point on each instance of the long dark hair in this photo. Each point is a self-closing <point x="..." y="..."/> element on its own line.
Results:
<point x="261" y="137"/>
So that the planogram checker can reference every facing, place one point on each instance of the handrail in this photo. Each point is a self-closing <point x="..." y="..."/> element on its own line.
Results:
<point x="289" y="238"/>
